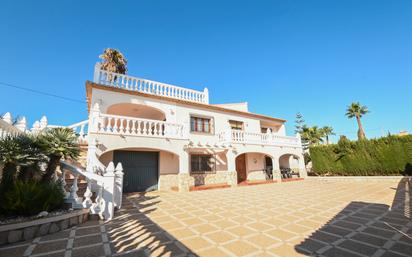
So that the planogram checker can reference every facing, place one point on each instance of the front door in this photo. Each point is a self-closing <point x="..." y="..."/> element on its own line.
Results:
<point x="140" y="170"/>
<point x="241" y="168"/>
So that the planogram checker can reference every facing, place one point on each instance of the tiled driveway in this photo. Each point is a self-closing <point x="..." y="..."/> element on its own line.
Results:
<point x="301" y="218"/>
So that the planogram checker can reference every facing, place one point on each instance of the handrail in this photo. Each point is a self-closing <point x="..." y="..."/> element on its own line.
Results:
<point x="118" y="80"/>
<point x="80" y="171"/>
<point x="78" y="124"/>
<point x="239" y="136"/>
<point x="115" y="124"/>
<point x="6" y="129"/>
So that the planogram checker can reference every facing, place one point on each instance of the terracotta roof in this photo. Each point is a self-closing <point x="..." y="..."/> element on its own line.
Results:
<point x="90" y="85"/>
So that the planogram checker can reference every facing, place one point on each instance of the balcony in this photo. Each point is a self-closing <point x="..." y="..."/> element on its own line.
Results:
<point x="129" y="126"/>
<point x="242" y="137"/>
<point x="135" y="84"/>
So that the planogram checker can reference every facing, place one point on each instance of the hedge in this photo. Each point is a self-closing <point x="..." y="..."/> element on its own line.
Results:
<point x="391" y="155"/>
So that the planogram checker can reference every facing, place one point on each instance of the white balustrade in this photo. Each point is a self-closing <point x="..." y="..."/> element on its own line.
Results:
<point x="105" y="186"/>
<point x="6" y="128"/>
<point x="81" y="130"/>
<point x="123" y="125"/>
<point x="239" y="136"/>
<point x="148" y="86"/>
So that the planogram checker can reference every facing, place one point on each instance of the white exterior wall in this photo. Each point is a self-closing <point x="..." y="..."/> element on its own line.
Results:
<point x="179" y="113"/>
<point x="174" y="152"/>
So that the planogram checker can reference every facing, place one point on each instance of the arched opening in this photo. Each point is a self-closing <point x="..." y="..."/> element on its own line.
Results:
<point x="289" y="165"/>
<point x="269" y="167"/>
<point x="145" y="169"/>
<point x="136" y="111"/>
<point x="253" y="167"/>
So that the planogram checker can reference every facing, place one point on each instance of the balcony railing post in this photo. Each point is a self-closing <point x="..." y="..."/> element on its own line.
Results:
<point x="206" y="95"/>
<point x="96" y="77"/>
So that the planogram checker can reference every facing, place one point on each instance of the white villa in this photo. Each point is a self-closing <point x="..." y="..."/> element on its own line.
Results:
<point x="143" y="135"/>
<point x="169" y="137"/>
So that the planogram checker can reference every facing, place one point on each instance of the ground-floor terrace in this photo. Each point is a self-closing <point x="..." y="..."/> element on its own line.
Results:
<point x="148" y="169"/>
<point x="301" y="218"/>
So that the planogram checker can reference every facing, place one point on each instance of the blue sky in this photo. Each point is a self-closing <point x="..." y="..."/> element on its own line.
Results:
<point x="283" y="57"/>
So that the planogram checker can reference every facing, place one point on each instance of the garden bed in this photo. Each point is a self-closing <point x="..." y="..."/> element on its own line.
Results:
<point x="22" y="229"/>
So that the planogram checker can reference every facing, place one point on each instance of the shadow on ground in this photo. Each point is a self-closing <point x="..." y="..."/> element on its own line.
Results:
<point x="133" y="233"/>
<point x="366" y="229"/>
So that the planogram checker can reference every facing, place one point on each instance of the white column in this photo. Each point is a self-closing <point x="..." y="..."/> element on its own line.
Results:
<point x="184" y="179"/>
<point x="183" y="162"/>
<point x="7" y="117"/>
<point x="231" y="167"/>
<point x="118" y="185"/>
<point x="21" y="124"/>
<point x="302" y="168"/>
<point x="96" y="76"/>
<point x="206" y="93"/>
<point x="231" y="160"/>
<point x="276" y="169"/>
<point x="94" y="118"/>
<point x="107" y="210"/>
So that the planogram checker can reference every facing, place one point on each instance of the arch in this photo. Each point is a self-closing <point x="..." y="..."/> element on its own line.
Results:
<point x="289" y="165"/>
<point x="136" y="111"/>
<point x="253" y="166"/>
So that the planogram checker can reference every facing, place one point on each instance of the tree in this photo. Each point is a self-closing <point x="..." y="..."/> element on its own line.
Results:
<point x="58" y="143"/>
<point x="114" y="61"/>
<point x="18" y="154"/>
<point x="312" y="135"/>
<point x="299" y="123"/>
<point x="357" y="110"/>
<point x="327" y="131"/>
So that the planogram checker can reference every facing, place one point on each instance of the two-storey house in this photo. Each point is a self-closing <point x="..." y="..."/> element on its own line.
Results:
<point x="168" y="137"/>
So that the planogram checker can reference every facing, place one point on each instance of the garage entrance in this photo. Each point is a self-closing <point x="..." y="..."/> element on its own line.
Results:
<point x="141" y="170"/>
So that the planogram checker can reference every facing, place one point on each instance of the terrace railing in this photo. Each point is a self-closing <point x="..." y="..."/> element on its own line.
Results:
<point x="114" y="124"/>
<point x="239" y="136"/>
<point x="117" y="80"/>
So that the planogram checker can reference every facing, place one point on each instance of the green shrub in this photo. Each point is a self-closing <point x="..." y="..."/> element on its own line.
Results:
<point x="391" y="155"/>
<point x="30" y="198"/>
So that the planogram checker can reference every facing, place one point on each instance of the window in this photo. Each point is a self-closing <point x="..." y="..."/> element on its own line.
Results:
<point x="202" y="163"/>
<point x="237" y="125"/>
<point x="198" y="124"/>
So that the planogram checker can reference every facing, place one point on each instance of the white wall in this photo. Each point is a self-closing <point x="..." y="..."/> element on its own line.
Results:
<point x="180" y="113"/>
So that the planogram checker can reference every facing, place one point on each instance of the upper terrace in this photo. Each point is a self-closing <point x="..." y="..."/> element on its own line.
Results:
<point x="117" y="80"/>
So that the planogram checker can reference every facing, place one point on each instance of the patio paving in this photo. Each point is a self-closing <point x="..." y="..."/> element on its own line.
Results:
<point x="302" y="218"/>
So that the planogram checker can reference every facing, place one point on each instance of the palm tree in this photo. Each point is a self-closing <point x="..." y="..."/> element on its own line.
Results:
<point x="327" y="131"/>
<point x="357" y="110"/>
<point x="58" y="143"/>
<point x="17" y="154"/>
<point x="113" y="61"/>
<point x="312" y="135"/>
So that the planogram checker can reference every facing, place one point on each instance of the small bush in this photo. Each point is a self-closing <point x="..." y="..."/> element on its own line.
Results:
<point x="30" y="198"/>
<point x="391" y="155"/>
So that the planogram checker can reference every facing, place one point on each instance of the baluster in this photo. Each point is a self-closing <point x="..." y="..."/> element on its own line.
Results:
<point x="145" y="88"/>
<point x="87" y="195"/>
<point x="115" y="125"/>
<point x="144" y="130"/>
<point x="166" y="129"/>
<point x="138" y="131"/>
<point x="121" y="127"/>
<point x="157" y="89"/>
<point x="74" y="188"/>
<point x="81" y="133"/>
<point x="63" y="183"/>
<point x="109" y="127"/>
<point x="150" y="128"/>
<point x="97" y="205"/>
<point x="133" y="129"/>
<point x="157" y="127"/>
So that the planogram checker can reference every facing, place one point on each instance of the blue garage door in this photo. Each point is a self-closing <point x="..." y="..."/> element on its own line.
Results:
<point x="140" y="169"/>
